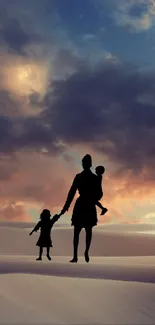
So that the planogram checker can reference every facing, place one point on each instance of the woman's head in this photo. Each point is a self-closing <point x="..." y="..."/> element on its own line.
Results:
<point x="100" y="170"/>
<point x="87" y="162"/>
<point x="45" y="215"/>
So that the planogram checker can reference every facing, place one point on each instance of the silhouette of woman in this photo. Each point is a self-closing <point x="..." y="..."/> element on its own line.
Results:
<point x="84" y="212"/>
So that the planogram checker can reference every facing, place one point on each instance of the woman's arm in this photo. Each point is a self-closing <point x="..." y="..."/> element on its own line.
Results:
<point x="54" y="219"/>
<point x="70" y="195"/>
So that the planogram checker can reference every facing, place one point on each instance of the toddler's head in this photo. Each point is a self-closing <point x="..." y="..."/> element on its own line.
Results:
<point x="99" y="170"/>
<point x="45" y="215"/>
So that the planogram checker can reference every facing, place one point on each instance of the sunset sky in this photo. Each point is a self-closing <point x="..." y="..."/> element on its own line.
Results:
<point x="77" y="77"/>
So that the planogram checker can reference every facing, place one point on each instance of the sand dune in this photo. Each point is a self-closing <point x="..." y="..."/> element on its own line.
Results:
<point x="28" y="299"/>
<point x="117" y="287"/>
<point x="135" y="269"/>
<point x="16" y="241"/>
<point x="134" y="227"/>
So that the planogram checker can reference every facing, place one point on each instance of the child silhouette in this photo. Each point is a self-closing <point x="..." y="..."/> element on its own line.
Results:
<point x="99" y="172"/>
<point x="45" y="224"/>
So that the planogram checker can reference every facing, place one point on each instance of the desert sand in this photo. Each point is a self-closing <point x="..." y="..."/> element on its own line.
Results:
<point x="116" y="287"/>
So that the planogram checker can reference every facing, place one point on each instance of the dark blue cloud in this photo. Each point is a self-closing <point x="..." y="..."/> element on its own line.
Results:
<point x="110" y="107"/>
<point x="65" y="23"/>
<point x="138" y="10"/>
<point x="105" y="107"/>
<point x="24" y="23"/>
<point x="13" y="34"/>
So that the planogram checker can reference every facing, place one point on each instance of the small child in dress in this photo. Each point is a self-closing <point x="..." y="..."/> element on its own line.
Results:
<point x="45" y="224"/>
<point x="99" y="172"/>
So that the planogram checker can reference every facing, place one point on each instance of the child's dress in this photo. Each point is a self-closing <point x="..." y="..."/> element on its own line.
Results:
<point x="45" y="233"/>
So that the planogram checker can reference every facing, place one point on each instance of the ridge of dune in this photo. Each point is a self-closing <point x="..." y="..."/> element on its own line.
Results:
<point x="115" y="270"/>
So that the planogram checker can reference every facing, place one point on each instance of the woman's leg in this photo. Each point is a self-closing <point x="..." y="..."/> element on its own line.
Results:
<point x="48" y="253"/>
<point x="77" y="231"/>
<point x="40" y="253"/>
<point x="88" y="242"/>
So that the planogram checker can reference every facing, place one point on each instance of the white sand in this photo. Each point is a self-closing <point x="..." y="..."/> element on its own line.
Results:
<point x="117" y="287"/>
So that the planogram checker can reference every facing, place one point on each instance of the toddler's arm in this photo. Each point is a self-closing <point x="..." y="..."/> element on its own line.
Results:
<point x="36" y="228"/>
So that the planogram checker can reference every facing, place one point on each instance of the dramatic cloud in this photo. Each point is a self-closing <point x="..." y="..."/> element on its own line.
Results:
<point x="108" y="109"/>
<point x="14" y="35"/>
<point x="136" y="15"/>
<point x="111" y="108"/>
<point x="33" y="181"/>
<point x="143" y="20"/>
<point x="14" y="212"/>
<point x="64" y="93"/>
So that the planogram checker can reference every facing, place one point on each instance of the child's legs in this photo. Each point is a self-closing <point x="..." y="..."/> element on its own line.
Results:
<point x="48" y="251"/>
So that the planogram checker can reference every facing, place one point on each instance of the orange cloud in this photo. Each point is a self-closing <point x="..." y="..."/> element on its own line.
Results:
<point x="14" y="212"/>
<point x="37" y="180"/>
<point x="21" y="78"/>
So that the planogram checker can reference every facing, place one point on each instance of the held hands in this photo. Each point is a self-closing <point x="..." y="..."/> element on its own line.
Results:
<point x="56" y="216"/>
<point x="62" y="212"/>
